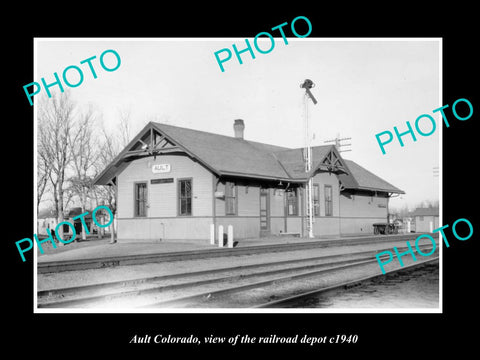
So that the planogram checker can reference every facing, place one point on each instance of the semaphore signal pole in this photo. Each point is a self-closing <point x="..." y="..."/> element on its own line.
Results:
<point x="307" y="85"/>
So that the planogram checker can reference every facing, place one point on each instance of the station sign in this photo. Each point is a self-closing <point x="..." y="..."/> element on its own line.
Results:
<point x="161" y="181"/>
<point x="161" y="168"/>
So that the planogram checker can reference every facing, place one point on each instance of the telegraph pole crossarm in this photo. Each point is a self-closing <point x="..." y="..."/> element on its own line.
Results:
<point x="338" y="144"/>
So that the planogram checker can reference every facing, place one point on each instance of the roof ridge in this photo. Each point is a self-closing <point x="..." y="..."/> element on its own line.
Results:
<point x="215" y="134"/>
<point x="223" y="154"/>
<point x="301" y="148"/>
<point x="258" y="149"/>
<point x="271" y="154"/>
<point x="281" y="165"/>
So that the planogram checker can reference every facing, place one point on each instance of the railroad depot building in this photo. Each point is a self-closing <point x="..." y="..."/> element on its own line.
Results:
<point x="172" y="183"/>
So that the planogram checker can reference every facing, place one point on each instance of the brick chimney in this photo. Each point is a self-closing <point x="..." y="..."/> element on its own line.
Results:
<point x="238" y="127"/>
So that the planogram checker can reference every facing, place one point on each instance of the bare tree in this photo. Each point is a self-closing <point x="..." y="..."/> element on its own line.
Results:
<point x="55" y="123"/>
<point x="43" y="173"/>
<point x="84" y="154"/>
<point x="109" y="146"/>
<point x="124" y="127"/>
<point x="107" y="193"/>
<point x="428" y="204"/>
<point x="401" y="211"/>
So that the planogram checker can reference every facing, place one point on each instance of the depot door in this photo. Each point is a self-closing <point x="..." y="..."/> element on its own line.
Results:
<point x="264" y="212"/>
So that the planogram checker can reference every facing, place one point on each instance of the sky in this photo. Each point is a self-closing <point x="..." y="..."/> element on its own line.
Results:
<point x="363" y="87"/>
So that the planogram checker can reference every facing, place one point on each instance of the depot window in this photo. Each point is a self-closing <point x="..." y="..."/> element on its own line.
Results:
<point x="292" y="202"/>
<point x="328" y="201"/>
<point x="230" y="198"/>
<point x="316" y="200"/>
<point x="185" y="197"/>
<point x="140" y="199"/>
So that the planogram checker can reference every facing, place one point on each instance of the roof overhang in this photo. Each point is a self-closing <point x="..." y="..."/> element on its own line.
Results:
<point x="364" y="188"/>
<point x="260" y="177"/>
<point x="150" y="142"/>
<point x="153" y="141"/>
<point x="332" y="162"/>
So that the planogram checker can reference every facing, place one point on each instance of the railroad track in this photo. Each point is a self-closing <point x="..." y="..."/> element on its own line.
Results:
<point x="105" y="262"/>
<point x="284" y="302"/>
<point x="209" y="288"/>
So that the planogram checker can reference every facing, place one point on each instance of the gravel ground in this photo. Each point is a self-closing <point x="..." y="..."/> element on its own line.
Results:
<point x="416" y="289"/>
<point x="95" y="248"/>
<point x="289" y="288"/>
<point x="424" y="288"/>
<point x="95" y="276"/>
<point x="200" y="284"/>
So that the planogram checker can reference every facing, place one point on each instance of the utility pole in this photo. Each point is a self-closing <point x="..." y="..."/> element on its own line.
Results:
<point x="338" y="144"/>
<point x="307" y="85"/>
<point x="436" y="181"/>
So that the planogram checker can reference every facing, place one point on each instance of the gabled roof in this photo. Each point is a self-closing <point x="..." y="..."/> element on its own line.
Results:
<point x="227" y="155"/>
<point x="231" y="156"/>
<point x="363" y="179"/>
<point x="324" y="156"/>
<point x="427" y="211"/>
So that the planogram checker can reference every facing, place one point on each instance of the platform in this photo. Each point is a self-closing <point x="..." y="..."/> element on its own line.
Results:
<point x="102" y="248"/>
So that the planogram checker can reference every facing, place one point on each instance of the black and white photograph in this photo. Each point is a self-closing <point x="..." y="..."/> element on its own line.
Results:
<point x="248" y="186"/>
<point x="225" y="180"/>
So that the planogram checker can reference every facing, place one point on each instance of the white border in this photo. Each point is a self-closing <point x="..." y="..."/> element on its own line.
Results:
<point x="245" y="310"/>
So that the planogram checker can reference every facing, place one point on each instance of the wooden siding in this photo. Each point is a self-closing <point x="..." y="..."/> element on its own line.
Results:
<point x="162" y="220"/>
<point x="353" y="205"/>
<point x="323" y="179"/>
<point x="294" y="224"/>
<point x="243" y="227"/>
<point x="277" y="225"/>
<point x="326" y="226"/>
<point x="220" y="202"/>
<point x="277" y="202"/>
<point x="246" y="223"/>
<point x="158" y="229"/>
<point x="359" y="225"/>
<point x="248" y="200"/>
<point x="162" y="198"/>
<point x="352" y="212"/>
<point x="360" y="211"/>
